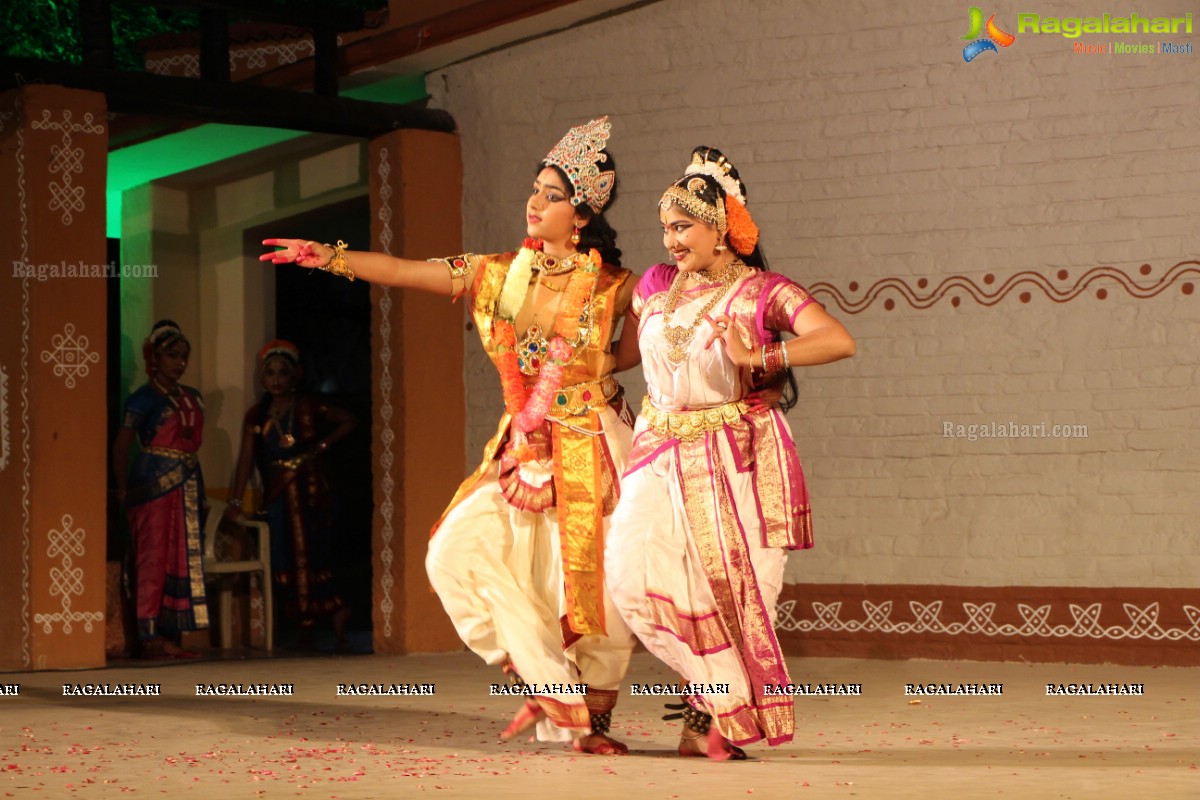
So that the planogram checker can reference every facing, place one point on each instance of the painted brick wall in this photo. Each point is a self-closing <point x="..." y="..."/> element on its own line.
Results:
<point x="956" y="216"/>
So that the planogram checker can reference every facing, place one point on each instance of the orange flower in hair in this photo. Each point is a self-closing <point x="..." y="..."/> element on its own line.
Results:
<point x="743" y="233"/>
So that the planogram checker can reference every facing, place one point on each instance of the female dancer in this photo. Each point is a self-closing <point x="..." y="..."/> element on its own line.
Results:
<point x="164" y="495"/>
<point x="714" y="495"/>
<point x="285" y="435"/>
<point x="517" y="556"/>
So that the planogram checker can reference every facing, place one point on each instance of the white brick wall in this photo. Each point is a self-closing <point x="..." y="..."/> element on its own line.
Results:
<point x="872" y="151"/>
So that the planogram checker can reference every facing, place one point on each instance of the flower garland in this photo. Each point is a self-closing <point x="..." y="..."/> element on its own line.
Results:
<point x="515" y="393"/>
<point x="529" y="407"/>
<point x="516" y="284"/>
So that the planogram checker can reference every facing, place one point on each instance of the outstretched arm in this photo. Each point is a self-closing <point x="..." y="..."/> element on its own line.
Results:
<point x="426" y="276"/>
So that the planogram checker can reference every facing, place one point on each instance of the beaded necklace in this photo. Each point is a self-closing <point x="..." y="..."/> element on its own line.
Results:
<point x="286" y="438"/>
<point x="186" y="411"/>
<point x="679" y="337"/>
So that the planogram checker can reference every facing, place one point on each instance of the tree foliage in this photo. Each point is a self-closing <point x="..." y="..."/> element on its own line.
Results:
<point x="49" y="29"/>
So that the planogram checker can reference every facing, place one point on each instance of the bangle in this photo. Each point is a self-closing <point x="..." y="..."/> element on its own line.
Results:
<point x="337" y="262"/>
<point x="787" y="363"/>
<point x="773" y="357"/>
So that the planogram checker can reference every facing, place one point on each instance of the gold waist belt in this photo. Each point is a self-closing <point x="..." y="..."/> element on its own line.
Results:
<point x="292" y="463"/>
<point x="687" y="425"/>
<point x="170" y="452"/>
<point x="571" y="401"/>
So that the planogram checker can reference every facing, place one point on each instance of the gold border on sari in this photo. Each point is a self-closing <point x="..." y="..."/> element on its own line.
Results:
<point x="489" y="282"/>
<point x="565" y="715"/>
<point x="726" y="563"/>
<point x="702" y="631"/>
<point x="579" y="487"/>
<point x="195" y="551"/>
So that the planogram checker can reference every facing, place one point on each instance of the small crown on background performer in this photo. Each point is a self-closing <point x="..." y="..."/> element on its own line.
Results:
<point x="578" y="155"/>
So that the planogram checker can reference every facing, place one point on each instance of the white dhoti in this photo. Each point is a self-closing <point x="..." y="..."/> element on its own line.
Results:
<point x="498" y="571"/>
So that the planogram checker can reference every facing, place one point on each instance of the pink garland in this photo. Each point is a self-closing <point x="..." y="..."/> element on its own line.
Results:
<point x="550" y="378"/>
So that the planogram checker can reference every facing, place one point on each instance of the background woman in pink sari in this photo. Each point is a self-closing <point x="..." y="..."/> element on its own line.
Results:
<point x="164" y="496"/>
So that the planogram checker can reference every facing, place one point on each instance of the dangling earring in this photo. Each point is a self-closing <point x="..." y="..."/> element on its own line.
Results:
<point x="721" y="248"/>
<point x="575" y="236"/>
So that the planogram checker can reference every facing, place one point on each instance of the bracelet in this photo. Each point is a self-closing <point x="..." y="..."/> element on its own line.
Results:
<point x="337" y="262"/>
<point x="235" y="502"/>
<point x="787" y="363"/>
<point x="774" y="357"/>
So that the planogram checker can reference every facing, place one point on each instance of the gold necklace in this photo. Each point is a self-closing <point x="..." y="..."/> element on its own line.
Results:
<point x="678" y="336"/>
<point x="549" y="265"/>
<point x="187" y="416"/>
<point x="286" y="439"/>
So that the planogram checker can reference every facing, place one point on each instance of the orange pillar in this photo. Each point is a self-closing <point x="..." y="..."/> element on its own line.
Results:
<point x="418" y="414"/>
<point x="53" y="430"/>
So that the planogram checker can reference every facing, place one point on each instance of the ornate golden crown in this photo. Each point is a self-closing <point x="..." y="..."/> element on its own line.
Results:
<point x="578" y="155"/>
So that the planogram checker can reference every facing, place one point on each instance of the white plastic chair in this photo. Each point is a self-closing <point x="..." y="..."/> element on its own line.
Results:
<point x="220" y="570"/>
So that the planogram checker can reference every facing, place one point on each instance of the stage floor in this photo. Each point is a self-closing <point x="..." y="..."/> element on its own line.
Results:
<point x="883" y="743"/>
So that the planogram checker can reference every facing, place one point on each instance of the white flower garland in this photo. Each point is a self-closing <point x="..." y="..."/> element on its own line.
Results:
<point x="516" y="284"/>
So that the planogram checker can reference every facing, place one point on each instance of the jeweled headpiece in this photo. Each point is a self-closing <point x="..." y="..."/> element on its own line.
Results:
<point x="279" y="347"/>
<point x="718" y="170"/>
<point x="579" y="156"/>
<point x="165" y="333"/>
<point x="728" y="214"/>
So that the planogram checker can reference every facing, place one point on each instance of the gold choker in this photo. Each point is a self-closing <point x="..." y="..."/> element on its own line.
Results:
<point x="722" y="276"/>
<point x="549" y="265"/>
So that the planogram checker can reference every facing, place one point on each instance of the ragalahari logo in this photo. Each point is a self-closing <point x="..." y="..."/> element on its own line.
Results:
<point x="995" y="36"/>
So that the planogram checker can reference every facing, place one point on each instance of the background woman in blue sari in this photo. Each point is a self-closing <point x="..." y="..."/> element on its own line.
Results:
<point x="164" y="496"/>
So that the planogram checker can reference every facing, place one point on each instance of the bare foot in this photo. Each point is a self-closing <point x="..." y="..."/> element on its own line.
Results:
<point x="175" y="651"/>
<point x="163" y="648"/>
<point x="691" y="743"/>
<point x="713" y="745"/>
<point x="600" y="744"/>
<point x="523" y="720"/>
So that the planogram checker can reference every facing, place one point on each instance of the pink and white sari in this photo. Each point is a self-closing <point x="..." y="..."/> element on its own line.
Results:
<point x="697" y="546"/>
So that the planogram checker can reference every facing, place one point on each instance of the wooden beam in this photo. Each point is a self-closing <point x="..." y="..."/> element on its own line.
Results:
<point x="338" y="20"/>
<point x="323" y="25"/>
<point x="232" y="103"/>
<point x="405" y="40"/>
